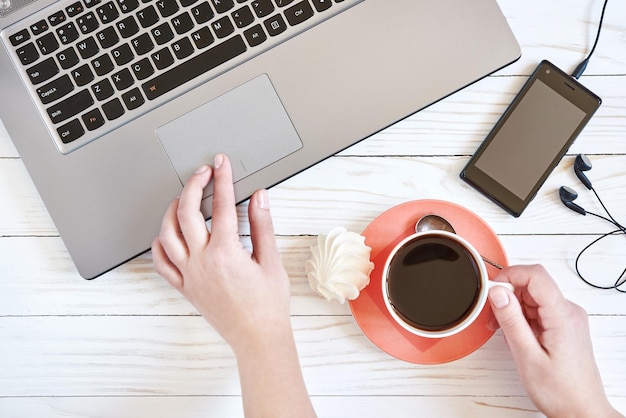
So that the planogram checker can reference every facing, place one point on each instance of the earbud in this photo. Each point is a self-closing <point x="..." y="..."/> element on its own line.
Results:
<point x="581" y="164"/>
<point x="568" y="195"/>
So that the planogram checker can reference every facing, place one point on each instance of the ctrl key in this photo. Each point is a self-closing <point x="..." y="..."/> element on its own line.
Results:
<point x="71" y="131"/>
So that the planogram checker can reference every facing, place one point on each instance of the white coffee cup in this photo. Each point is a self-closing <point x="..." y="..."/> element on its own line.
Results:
<point x="435" y="284"/>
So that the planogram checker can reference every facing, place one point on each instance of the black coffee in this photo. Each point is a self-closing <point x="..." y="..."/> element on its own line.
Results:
<point x="433" y="283"/>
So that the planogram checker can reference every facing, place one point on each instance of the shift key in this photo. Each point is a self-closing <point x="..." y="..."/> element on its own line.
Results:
<point x="194" y="67"/>
<point x="69" y="107"/>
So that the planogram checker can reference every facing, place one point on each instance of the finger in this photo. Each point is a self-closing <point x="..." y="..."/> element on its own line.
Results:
<point x="535" y="282"/>
<point x="171" y="238"/>
<point x="518" y="333"/>
<point x="540" y="295"/>
<point x="224" y="223"/>
<point x="262" y="229"/>
<point x="164" y="267"/>
<point x="190" y="218"/>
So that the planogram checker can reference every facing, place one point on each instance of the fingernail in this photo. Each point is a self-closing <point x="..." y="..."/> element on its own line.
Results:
<point x="202" y="169"/>
<point x="262" y="199"/>
<point x="499" y="297"/>
<point x="218" y="160"/>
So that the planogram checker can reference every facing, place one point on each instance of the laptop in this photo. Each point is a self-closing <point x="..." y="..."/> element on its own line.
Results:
<point x="112" y="104"/>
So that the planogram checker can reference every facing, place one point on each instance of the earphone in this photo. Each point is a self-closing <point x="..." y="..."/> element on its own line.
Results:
<point x="568" y="195"/>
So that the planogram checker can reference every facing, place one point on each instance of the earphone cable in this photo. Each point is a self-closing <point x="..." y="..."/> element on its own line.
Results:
<point x="613" y="221"/>
<point x="622" y="277"/>
<point x="580" y="69"/>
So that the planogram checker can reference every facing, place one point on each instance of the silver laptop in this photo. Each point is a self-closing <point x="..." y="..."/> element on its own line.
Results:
<point x="112" y="104"/>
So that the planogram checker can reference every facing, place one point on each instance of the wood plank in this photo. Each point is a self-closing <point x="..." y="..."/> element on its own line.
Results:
<point x="564" y="32"/>
<point x="221" y="406"/>
<point x="200" y="406"/>
<point x="40" y="278"/>
<point x="183" y="356"/>
<point x="352" y="191"/>
<point x="328" y="407"/>
<point x="458" y="124"/>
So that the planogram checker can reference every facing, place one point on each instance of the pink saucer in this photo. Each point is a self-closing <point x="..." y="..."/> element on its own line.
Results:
<point x="369" y="311"/>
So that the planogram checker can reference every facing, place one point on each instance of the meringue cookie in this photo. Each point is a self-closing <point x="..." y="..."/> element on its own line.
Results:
<point x="340" y="266"/>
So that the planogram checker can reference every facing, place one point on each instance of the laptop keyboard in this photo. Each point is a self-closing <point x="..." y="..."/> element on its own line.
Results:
<point x="94" y="65"/>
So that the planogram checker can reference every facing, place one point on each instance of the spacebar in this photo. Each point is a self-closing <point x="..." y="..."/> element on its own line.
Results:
<point x="194" y="67"/>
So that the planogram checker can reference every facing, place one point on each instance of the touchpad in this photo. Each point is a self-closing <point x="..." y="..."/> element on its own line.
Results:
<point x="249" y="124"/>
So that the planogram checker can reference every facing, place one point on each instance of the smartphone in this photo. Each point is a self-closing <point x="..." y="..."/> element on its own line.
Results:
<point x="530" y="138"/>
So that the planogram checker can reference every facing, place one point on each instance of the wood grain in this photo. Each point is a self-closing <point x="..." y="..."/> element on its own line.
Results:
<point x="128" y="345"/>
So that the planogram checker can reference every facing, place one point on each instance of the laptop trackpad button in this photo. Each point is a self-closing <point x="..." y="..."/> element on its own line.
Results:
<point x="249" y="124"/>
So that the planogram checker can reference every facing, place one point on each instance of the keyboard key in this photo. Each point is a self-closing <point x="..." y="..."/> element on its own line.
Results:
<point x="127" y="6"/>
<point x="167" y="7"/>
<point x="39" y="27"/>
<point x="194" y="67"/>
<point x="57" y="18"/>
<point x="322" y="5"/>
<point x="47" y="43"/>
<point x="186" y="3"/>
<point x="91" y="3"/>
<point x="20" y="37"/>
<point x="142" y="44"/>
<point x="243" y="17"/>
<point x="55" y="89"/>
<point x="299" y="13"/>
<point x="122" y="54"/>
<point x="70" y="107"/>
<point x="122" y="79"/>
<point x="113" y="109"/>
<point x="74" y="9"/>
<point x="222" y="6"/>
<point x="283" y="3"/>
<point x="162" y="58"/>
<point x="93" y="119"/>
<point x="262" y="8"/>
<point x="102" y="89"/>
<point x="255" y="35"/>
<point x="182" y="48"/>
<point x="142" y="69"/>
<point x="202" y="13"/>
<point x="223" y="27"/>
<point x="107" y="12"/>
<point x="275" y="25"/>
<point x="87" y="23"/>
<point x="87" y="48"/>
<point x="67" y="58"/>
<point x="127" y="27"/>
<point x="182" y="23"/>
<point x="71" y="131"/>
<point x="147" y="17"/>
<point x="82" y="75"/>
<point x="67" y="33"/>
<point x="162" y="34"/>
<point x="43" y="71"/>
<point x="133" y="99"/>
<point x="202" y="37"/>
<point x="102" y="65"/>
<point x="107" y="37"/>
<point x="27" y="54"/>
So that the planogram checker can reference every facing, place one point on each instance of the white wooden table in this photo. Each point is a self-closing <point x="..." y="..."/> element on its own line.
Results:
<point x="128" y="345"/>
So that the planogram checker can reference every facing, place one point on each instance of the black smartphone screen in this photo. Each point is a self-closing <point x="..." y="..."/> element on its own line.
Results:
<point x="530" y="138"/>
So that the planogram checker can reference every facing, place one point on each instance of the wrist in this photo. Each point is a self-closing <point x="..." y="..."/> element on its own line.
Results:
<point x="264" y="341"/>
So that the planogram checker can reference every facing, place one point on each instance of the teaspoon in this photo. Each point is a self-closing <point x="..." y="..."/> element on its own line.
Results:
<point x="436" y="222"/>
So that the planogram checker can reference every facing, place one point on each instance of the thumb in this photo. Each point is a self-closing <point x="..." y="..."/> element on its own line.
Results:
<point x="508" y="312"/>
